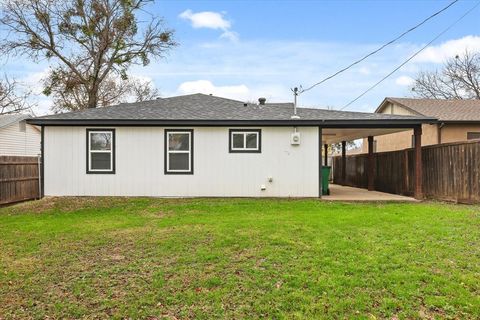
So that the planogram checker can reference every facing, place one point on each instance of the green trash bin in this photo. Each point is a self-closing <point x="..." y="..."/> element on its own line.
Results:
<point x="325" y="179"/>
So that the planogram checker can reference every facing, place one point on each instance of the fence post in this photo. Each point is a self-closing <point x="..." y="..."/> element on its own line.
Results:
<point x="370" y="163"/>
<point x="39" y="166"/>
<point x="406" y="172"/>
<point x="417" y="132"/>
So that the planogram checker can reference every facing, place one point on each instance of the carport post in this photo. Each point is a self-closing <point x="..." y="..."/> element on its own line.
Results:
<point x="371" y="168"/>
<point x="325" y="150"/>
<point x="344" y="162"/>
<point x="417" y="132"/>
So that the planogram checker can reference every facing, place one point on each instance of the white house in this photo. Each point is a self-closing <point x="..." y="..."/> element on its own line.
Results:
<point x="17" y="138"/>
<point x="197" y="146"/>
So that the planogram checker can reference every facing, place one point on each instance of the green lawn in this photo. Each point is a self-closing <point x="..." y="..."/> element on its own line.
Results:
<point x="238" y="258"/>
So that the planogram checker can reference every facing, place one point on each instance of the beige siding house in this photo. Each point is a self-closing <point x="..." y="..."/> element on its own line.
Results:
<point x="458" y="120"/>
<point x="17" y="138"/>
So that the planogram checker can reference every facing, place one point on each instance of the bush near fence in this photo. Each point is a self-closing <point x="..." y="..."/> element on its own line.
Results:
<point x="450" y="171"/>
<point x="18" y="179"/>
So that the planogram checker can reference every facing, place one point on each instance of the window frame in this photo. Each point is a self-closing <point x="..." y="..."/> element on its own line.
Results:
<point x="470" y="133"/>
<point x="231" y="149"/>
<point x="112" y="152"/>
<point x="167" y="152"/>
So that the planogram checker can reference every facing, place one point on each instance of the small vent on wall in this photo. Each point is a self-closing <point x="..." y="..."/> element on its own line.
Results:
<point x="22" y="126"/>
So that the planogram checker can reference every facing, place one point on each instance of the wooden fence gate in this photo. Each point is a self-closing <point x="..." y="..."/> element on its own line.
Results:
<point x="19" y="179"/>
<point x="450" y="171"/>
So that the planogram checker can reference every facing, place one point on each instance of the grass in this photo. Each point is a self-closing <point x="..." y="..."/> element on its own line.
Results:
<point x="238" y="258"/>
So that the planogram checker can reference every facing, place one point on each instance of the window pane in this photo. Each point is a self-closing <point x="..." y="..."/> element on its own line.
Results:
<point x="100" y="141"/>
<point x="473" y="135"/>
<point x="179" y="141"/>
<point x="178" y="161"/>
<point x="100" y="161"/>
<point x="251" y="140"/>
<point x="238" y="140"/>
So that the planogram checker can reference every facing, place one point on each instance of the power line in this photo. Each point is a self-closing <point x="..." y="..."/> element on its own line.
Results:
<point x="380" y="48"/>
<point x="412" y="56"/>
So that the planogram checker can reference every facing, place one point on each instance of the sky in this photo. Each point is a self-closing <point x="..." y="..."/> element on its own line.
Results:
<point x="249" y="49"/>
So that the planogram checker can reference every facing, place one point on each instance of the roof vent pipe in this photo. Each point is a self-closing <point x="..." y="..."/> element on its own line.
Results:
<point x="261" y="101"/>
<point x="295" y="94"/>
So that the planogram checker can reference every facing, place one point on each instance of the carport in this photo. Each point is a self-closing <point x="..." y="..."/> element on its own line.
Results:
<point x="338" y="132"/>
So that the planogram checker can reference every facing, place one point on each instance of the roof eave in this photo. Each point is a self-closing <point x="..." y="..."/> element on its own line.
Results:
<point x="294" y="122"/>
<point x="460" y="121"/>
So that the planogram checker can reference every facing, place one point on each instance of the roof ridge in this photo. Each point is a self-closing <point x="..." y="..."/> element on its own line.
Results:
<point x="442" y="109"/>
<point x="432" y="99"/>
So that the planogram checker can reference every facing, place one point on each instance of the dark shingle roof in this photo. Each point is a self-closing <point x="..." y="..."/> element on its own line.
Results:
<point x="201" y="107"/>
<point x="442" y="109"/>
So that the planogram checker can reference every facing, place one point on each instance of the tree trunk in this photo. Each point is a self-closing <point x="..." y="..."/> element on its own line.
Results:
<point x="93" y="96"/>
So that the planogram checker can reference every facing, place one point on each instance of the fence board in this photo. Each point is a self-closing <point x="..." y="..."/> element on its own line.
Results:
<point x="450" y="171"/>
<point x="18" y="179"/>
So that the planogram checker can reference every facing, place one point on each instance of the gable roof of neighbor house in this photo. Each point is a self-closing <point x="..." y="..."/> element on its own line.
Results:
<point x="8" y="119"/>
<point x="452" y="110"/>
<point x="201" y="109"/>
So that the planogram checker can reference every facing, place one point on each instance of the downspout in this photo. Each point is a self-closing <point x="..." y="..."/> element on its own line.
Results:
<point x="42" y="167"/>
<point x="439" y="132"/>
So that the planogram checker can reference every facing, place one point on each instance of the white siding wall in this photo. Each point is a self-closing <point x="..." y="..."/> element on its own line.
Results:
<point x="140" y="165"/>
<point x="14" y="142"/>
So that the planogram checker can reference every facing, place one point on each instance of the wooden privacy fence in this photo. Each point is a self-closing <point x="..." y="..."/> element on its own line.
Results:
<point x="450" y="171"/>
<point x="18" y="178"/>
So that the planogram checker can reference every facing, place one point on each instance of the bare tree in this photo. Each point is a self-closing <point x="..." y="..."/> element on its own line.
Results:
<point x="111" y="91"/>
<point x="13" y="98"/>
<point x="88" y="40"/>
<point x="142" y="90"/>
<point x="458" y="79"/>
<point x="70" y="97"/>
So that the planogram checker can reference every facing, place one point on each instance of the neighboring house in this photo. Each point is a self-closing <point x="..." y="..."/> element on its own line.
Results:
<point x="197" y="145"/>
<point x="458" y="120"/>
<point x="17" y="138"/>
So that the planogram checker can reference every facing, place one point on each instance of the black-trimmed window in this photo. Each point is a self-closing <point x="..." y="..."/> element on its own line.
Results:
<point x="245" y="141"/>
<point x="178" y="151"/>
<point x="100" y="150"/>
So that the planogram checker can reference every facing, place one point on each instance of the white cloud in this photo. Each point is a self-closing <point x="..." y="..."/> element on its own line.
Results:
<point x="210" y="20"/>
<point x="230" y="35"/>
<point x="404" y="81"/>
<point x="364" y="70"/>
<point x="240" y="91"/>
<point x="34" y="80"/>
<point x="43" y="106"/>
<point x="449" y="49"/>
<point x="244" y="72"/>
<point x="218" y="68"/>
<point x="206" y="19"/>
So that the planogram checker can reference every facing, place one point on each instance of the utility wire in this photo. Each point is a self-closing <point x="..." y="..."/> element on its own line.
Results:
<point x="413" y="56"/>
<point x="379" y="49"/>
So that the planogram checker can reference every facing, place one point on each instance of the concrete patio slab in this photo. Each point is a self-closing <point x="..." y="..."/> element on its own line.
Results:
<point x="344" y="193"/>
